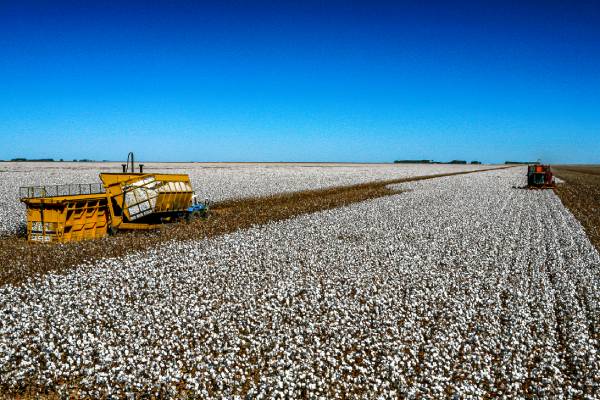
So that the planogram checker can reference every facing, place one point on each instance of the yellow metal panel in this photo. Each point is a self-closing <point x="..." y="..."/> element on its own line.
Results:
<point x="68" y="218"/>
<point x="174" y="194"/>
<point x="134" y="226"/>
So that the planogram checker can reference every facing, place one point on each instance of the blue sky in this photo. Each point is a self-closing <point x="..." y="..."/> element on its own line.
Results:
<point x="311" y="81"/>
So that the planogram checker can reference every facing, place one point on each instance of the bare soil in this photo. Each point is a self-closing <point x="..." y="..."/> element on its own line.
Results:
<point x="22" y="260"/>
<point x="581" y="195"/>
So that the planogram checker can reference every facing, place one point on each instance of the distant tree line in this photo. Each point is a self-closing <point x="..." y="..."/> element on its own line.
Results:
<point x="23" y="159"/>
<point x="33" y="159"/>
<point x="434" y="162"/>
<point x="412" y="161"/>
<point x="521" y="162"/>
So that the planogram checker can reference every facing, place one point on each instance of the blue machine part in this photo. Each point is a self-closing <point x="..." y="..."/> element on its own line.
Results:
<point x="196" y="207"/>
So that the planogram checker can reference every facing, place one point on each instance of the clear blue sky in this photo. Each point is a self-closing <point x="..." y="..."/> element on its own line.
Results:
<point x="311" y="81"/>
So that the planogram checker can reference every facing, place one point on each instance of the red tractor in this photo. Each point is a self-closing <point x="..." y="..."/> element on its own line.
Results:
<point x="540" y="177"/>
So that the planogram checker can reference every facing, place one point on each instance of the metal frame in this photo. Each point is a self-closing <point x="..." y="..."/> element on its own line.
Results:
<point x="73" y="189"/>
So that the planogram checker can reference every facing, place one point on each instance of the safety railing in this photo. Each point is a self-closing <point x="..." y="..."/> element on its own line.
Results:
<point x="72" y="189"/>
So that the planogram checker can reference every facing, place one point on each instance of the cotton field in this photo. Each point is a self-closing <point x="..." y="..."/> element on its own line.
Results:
<point x="216" y="181"/>
<point x="457" y="287"/>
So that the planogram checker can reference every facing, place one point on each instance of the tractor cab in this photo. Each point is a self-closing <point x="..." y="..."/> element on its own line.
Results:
<point x="540" y="177"/>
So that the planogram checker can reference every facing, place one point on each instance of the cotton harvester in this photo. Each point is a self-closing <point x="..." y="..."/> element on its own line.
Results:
<point x="540" y="177"/>
<point x="123" y="201"/>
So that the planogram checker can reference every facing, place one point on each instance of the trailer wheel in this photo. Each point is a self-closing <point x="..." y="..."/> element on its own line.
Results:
<point x="196" y="215"/>
<point x="192" y="216"/>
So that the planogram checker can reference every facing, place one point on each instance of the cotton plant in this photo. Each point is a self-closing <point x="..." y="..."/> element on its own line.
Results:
<point x="459" y="287"/>
<point x="216" y="182"/>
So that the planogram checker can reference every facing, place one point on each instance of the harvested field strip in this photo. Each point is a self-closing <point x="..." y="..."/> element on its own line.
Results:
<point x="22" y="260"/>
<point x="581" y="195"/>
<point x="588" y="170"/>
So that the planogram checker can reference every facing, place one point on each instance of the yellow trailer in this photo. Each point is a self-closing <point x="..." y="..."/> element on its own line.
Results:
<point x="65" y="218"/>
<point x="64" y="213"/>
